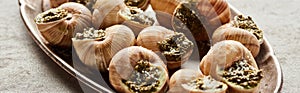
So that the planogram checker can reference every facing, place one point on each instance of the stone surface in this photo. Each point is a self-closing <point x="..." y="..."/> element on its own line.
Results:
<point x="24" y="67"/>
<point x="280" y="21"/>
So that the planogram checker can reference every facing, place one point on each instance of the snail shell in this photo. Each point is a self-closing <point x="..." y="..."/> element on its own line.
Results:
<point x="106" y="13"/>
<point x="228" y="32"/>
<point x="48" y="4"/>
<point x="143" y="4"/>
<point x="98" y="53"/>
<point x="201" y="18"/>
<point x="150" y="38"/>
<point x="164" y="11"/>
<point x="247" y="23"/>
<point x="60" y="31"/>
<point x="224" y="53"/>
<point x="216" y="12"/>
<point x="166" y="6"/>
<point x="111" y="12"/>
<point x="124" y="63"/>
<point x="136" y="19"/>
<point x="181" y="78"/>
<point x="221" y="56"/>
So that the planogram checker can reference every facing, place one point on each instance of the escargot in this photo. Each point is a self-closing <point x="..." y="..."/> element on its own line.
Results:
<point x="201" y="18"/>
<point x="166" y="6"/>
<point x="247" y="23"/>
<point x="191" y="81"/>
<point x="164" y="11"/>
<point x="111" y="12"/>
<point x="173" y="46"/>
<point x="138" y="70"/>
<point x="143" y="4"/>
<point x="136" y="19"/>
<point x="95" y="48"/>
<point x="231" y="62"/>
<point x="48" y="4"/>
<point x="58" y="25"/>
<point x="241" y="29"/>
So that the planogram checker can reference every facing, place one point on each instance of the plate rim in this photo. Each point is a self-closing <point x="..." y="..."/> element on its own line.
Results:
<point x="69" y="69"/>
<point x="59" y="61"/>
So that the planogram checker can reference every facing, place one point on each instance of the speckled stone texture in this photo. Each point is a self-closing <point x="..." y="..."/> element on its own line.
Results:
<point x="24" y="67"/>
<point x="280" y="20"/>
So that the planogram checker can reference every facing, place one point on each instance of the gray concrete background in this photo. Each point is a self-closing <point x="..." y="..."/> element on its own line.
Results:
<point x="24" y="67"/>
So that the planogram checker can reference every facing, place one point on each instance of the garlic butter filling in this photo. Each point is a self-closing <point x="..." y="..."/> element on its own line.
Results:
<point x="91" y="33"/>
<point x="175" y="46"/>
<point x="51" y="15"/>
<point x="137" y="15"/>
<point x="243" y="74"/>
<point x="206" y="83"/>
<point x="248" y="24"/>
<point x="144" y="79"/>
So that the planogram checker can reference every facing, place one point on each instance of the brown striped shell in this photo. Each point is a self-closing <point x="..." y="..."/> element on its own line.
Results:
<point x="48" y="4"/>
<point x="180" y="79"/>
<point x="166" y="6"/>
<point x="98" y="53"/>
<point x="123" y="65"/>
<point x="149" y="38"/>
<point x="143" y="4"/>
<point x="224" y="53"/>
<point x="61" y="31"/>
<point x="112" y="12"/>
<point x="164" y="15"/>
<point x="228" y="32"/>
<point x="221" y="56"/>
<point x="216" y="12"/>
<point x="106" y="13"/>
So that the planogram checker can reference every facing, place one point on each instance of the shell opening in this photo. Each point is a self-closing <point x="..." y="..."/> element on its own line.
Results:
<point x="51" y="15"/>
<point x="175" y="46"/>
<point x="206" y="83"/>
<point x="91" y="33"/>
<point x="243" y="74"/>
<point x="136" y="15"/>
<point x="248" y="24"/>
<point x="144" y="78"/>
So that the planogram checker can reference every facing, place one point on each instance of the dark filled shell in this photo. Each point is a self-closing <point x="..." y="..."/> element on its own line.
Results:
<point x="200" y="18"/>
